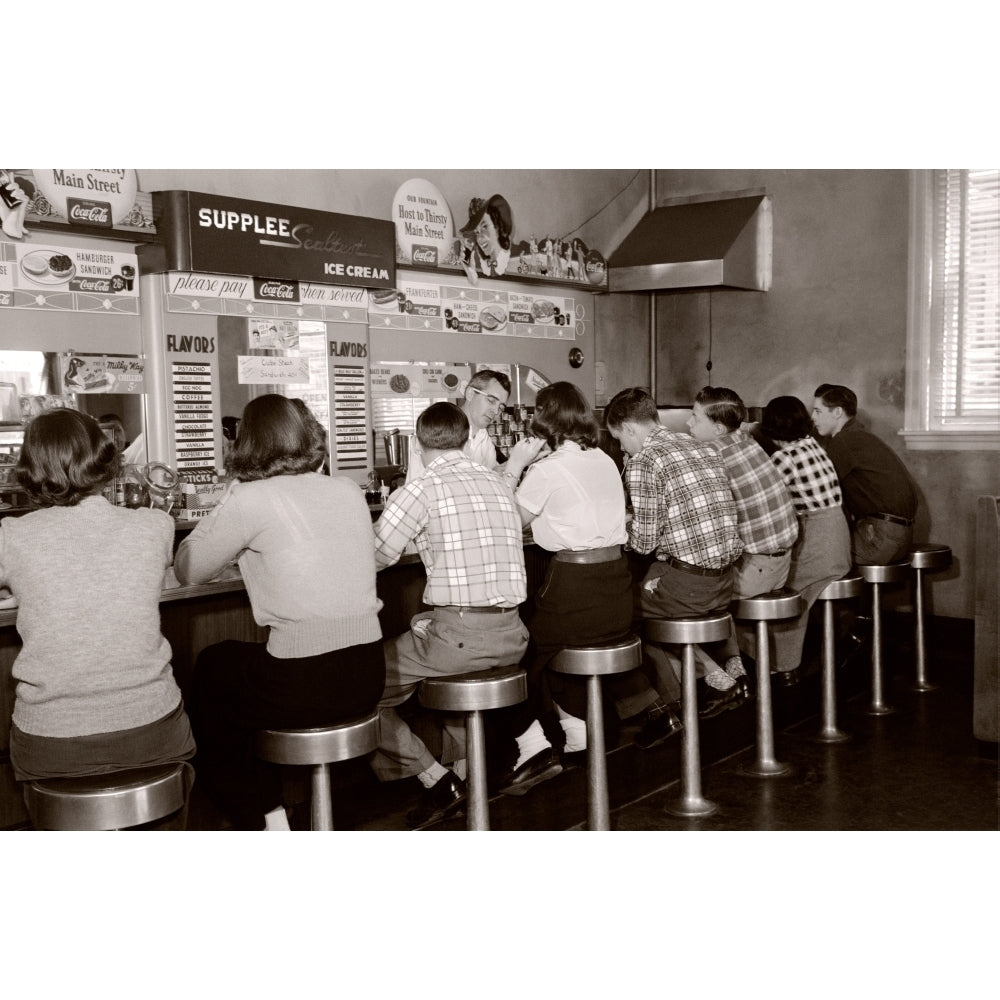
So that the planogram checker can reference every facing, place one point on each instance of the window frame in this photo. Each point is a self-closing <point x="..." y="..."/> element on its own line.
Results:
<point x="917" y="432"/>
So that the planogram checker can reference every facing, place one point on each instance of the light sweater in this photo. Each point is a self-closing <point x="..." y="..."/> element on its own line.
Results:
<point x="306" y="550"/>
<point x="88" y="581"/>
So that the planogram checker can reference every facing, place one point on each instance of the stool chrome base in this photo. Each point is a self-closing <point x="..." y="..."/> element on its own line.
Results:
<point x="766" y="769"/>
<point x="690" y="803"/>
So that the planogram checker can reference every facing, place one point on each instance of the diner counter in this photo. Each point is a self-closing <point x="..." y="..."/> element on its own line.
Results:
<point x="194" y="617"/>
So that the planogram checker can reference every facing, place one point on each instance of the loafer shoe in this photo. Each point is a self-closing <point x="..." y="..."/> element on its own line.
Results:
<point x="786" y="678"/>
<point x="544" y="765"/>
<point x="714" y="702"/>
<point x="659" y="725"/>
<point x="440" y="800"/>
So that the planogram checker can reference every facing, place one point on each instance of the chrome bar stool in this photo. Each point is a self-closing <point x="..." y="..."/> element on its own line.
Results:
<point x="319" y="748"/>
<point x="595" y="662"/>
<point x="849" y="586"/>
<point x="689" y="632"/>
<point x="116" y="800"/>
<point x="923" y="558"/>
<point x="474" y="693"/>
<point x="777" y="605"/>
<point x="896" y="572"/>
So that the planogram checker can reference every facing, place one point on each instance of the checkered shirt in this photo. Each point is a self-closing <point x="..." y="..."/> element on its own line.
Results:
<point x="767" y="521"/>
<point x="467" y="530"/>
<point x="809" y="474"/>
<point x="681" y="501"/>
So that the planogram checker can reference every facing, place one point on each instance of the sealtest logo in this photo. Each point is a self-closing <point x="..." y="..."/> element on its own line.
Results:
<point x="84" y="212"/>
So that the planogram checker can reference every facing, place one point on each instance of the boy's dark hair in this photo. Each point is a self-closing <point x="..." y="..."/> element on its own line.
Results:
<point x="837" y="395"/>
<point x="633" y="404"/>
<point x="443" y="427"/>
<point x="723" y="406"/>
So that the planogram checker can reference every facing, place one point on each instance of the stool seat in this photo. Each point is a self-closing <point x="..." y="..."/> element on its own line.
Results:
<point x="838" y="590"/>
<point x="318" y="748"/>
<point x="618" y="657"/>
<point x="684" y="631"/>
<point x="772" y="606"/>
<point x="930" y="556"/>
<point x="112" y="801"/>
<point x="895" y="572"/>
<point x="322" y="745"/>
<point x="475" y="691"/>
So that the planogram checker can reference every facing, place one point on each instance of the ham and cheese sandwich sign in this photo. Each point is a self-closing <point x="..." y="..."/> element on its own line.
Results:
<point x="209" y="233"/>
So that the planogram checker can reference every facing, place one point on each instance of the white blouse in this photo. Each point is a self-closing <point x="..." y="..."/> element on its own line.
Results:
<point x="577" y="498"/>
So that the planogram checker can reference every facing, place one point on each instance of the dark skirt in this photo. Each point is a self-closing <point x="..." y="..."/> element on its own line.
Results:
<point x="164" y="741"/>
<point x="240" y="687"/>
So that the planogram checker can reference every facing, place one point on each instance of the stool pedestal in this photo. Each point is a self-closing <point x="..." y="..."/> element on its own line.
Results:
<point x="924" y="558"/>
<point x="689" y="632"/>
<point x="595" y="662"/>
<point x="472" y="694"/>
<point x="319" y="748"/>
<point x="876" y="576"/>
<point x="774" y="606"/>
<point x="838" y="590"/>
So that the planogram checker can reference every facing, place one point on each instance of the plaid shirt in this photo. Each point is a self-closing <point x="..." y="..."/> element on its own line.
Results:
<point x="809" y="474"/>
<point x="467" y="530"/>
<point x="767" y="521"/>
<point x="681" y="501"/>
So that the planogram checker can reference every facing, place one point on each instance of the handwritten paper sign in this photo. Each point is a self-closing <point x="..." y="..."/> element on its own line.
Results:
<point x="260" y="370"/>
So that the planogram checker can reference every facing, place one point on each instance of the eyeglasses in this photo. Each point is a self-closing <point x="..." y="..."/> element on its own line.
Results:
<point x="489" y="395"/>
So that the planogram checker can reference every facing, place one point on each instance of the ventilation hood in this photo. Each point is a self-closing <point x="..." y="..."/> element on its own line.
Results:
<point x="697" y="243"/>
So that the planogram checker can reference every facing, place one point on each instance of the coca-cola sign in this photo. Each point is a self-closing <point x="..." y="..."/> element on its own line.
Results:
<point x="272" y="290"/>
<point x="83" y="212"/>
<point x="425" y="255"/>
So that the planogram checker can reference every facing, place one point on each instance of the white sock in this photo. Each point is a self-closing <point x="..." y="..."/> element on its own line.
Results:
<point x="735" y="668"/>
<point x="533" y="740"/>
<point x="432" y="775"/>
<point x="460" y="767"/>
<point x="276" y="819"/>
<point x="575" y="730"/>
<point x="719" y="680"/>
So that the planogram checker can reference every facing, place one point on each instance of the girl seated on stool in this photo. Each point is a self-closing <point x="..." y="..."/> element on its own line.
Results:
<point x="306" y="549"/>
<point x="95" y="690"/>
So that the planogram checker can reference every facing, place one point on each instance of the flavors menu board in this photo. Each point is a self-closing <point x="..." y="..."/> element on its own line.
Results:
<point x="194" y="421"/>
<point x="420" y="306"/>
<point x="350" y="419"/>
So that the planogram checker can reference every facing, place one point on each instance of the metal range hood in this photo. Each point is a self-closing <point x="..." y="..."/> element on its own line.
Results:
<point x="697" y="243"/>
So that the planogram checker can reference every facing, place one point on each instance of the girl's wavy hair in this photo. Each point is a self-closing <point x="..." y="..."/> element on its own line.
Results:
<point x="786" y="418"/>
<point x="563" y="414"/>
<point x="277" y="436"/>
<point x="65" y="457"/>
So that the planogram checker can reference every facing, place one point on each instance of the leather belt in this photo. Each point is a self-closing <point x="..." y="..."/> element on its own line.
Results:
<point x="691" y="568"/>
<point x="771" y="555"/>
<point x="493" y="609"/>
<point x="905" y="522"/>
<point x="607" y="554"/>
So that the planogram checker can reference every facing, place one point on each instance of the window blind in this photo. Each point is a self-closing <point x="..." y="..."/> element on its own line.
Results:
<point x="965" y="300"/>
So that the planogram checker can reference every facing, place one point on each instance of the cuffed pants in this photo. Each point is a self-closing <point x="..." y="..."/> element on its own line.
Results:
<point x="441" y="641"/>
